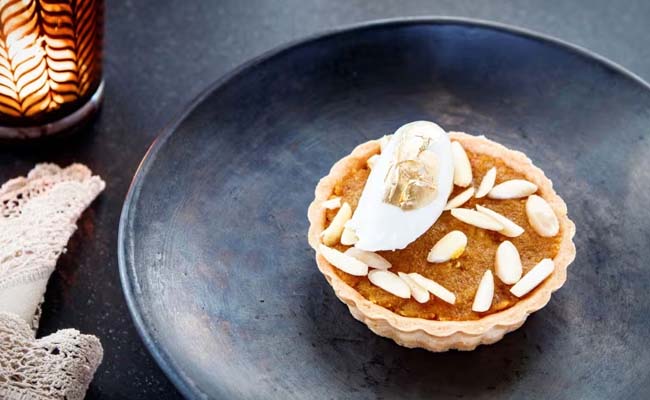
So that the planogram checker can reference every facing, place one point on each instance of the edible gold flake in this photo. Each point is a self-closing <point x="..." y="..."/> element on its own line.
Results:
<point x="410" y="181"/>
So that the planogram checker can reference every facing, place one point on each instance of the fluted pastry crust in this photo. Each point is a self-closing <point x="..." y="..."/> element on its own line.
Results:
<point x="436" y="335"/>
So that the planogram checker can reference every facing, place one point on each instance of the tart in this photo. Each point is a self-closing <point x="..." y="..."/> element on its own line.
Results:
<point x="435" y="264"/>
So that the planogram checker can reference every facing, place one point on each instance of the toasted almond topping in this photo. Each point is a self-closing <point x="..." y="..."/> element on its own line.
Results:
<point x="512" y="189"/>
<point x="434" y="288"/>
<point x="533" y="278"/>
<point x="541" y="217"/>
<point x="484" y="293"/>
<point x="450" y="246"/>
<point x="332" y="234"/>
<point x="349" y="236"/>
<point x="508" y="263"/>
<point x="462" y="167"/>
<point x="383" y="142"/>
<point x="476" y="218"/>
<point x="373" y="260"/>
<point x="372" y="160"/>
<point x="390" y="283"/>
<point x="510" y="229"/>
<point x="332" y="204"/>
<point x="487" y="183"/>
<point x="343" y="262"/>
<point x="420" y="294"/>
<point x="460" y="199"/>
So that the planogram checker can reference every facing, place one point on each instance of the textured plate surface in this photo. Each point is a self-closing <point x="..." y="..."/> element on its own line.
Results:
<point x="224" y="288"/>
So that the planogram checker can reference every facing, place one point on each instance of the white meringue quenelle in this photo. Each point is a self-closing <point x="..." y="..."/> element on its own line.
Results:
<point x="407" y="189"/>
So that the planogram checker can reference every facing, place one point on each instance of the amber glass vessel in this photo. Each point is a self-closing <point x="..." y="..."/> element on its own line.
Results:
<point x="50" y="65"/>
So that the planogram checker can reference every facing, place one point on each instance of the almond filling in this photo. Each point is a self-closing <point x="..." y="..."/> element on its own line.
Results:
<point x="460" y="275"/>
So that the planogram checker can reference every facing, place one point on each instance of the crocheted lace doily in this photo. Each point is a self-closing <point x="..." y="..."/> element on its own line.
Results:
<point x="56" y="367"/>
<point x="38" y="214"/>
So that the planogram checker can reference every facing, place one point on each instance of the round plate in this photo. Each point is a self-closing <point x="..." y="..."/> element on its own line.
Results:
<point x="214" y="259"/>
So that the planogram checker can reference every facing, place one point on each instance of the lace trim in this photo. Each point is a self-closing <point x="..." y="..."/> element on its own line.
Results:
<point x="38" y="214"/>
<point x="57" y="367"/>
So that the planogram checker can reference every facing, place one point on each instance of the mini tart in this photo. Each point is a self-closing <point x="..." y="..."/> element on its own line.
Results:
<point x="442" y="335"/>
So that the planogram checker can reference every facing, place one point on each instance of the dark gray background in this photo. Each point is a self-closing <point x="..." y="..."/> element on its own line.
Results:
<point x="159" y="55"/>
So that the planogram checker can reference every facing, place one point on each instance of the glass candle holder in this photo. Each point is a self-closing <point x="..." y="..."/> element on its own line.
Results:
<point x="50" y="65"/>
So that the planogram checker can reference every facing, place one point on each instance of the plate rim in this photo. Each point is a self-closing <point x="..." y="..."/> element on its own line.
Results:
<point x="175" y="374"/>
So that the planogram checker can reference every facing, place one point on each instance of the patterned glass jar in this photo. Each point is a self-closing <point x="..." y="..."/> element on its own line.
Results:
<point x="50" y="65"/>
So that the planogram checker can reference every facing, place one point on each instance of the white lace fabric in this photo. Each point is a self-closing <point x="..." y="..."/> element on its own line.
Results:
<point x="38" y="214"/>
<point x="59" y="366"/>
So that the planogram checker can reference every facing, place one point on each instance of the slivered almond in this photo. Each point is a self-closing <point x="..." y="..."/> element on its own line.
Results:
<point x="332" y="234"/>
<point x="484" y="293"/>
<point x="476" y="218"/>
<point x="533" y="278"/>
<point x="372" y="160"/>
<point x="541" y="217"/>
<point x="434" y="288"/>
<point x="507" y="263"/>
<point x="462" y="167"/>
<point x="460" y="199"/>
<point x="487" y="183"/>
<point x="383" y="142"/>
<point x="390" y="283"/>
<point x="343" y="262"/>
<point x="450" y="246"/>
<point x="373" y="260"/>
<point x="332" y="204"/>
<point x="510" y="229"/>
<point x="512" y="189"/>
<point x="349" y="236"/>
<point x="420" y="294"/>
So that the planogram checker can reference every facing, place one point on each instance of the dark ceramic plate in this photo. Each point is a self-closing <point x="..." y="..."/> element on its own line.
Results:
<point x="213" y="252"/>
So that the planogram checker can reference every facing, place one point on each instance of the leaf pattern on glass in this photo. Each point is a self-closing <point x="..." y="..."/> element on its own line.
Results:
<point x="49" y="53"/>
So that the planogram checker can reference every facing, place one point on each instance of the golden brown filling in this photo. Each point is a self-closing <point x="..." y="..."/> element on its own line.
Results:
<point x="462" y="275"/>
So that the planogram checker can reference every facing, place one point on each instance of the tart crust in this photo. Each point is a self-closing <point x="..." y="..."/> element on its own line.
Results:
<point x="437" y="335"/>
